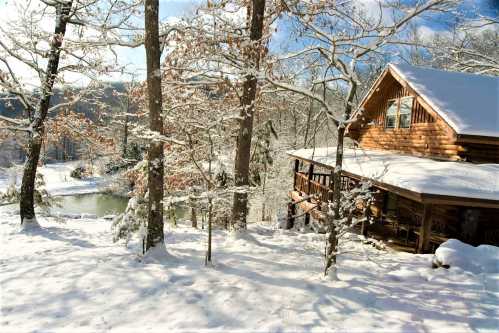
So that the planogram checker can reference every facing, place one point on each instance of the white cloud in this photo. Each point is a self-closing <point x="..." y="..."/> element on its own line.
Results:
<point x="375" y="9"/>
<point x="426" y="33"/>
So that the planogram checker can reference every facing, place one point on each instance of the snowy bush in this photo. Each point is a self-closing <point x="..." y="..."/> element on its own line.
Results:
<point x="134" y="219"/>
<point x="77" y="173"/>
<point x="42" y="198"/>
<point x="480" y="259"/>
<point x="11" y="195"/>
<point x="125" y="225"/>
<point x="118" y="165"/>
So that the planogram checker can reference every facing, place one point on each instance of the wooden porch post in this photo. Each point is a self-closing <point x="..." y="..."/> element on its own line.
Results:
<point x="363" y="228"/>
<point x="309" y="187"/>
<point x="297" y="167"/>
<point x="330" y="193"/>
<point x="425" y="232"/>
<point x="310" y="174"/>
<point x="290" y="221"/>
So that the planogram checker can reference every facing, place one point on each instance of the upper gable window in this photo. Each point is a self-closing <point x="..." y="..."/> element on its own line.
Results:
<point x="399" y="112"/>
<point x="405" y="112"/>
<point x="391" y="114"/>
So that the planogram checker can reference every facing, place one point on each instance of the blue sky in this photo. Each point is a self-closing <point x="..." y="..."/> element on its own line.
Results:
<point x="178" y="8"/>
<point x="135" y="58"/>
<point x="167" y="9"/>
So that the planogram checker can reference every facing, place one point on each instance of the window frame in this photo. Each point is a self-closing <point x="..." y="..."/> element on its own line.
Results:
<point x="398" y="103"/>
<point x="410" y="111"/>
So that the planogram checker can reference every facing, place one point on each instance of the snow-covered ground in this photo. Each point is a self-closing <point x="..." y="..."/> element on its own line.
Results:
<point x="71" y="277"/>
<point x="57" y="179"/>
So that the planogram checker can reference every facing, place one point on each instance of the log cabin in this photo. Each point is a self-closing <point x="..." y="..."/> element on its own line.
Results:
<point x="428" y="140"/>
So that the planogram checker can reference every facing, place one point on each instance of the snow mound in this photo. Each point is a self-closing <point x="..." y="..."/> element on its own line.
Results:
<point x="157" y="255"/>
<point x="480" y="259"/>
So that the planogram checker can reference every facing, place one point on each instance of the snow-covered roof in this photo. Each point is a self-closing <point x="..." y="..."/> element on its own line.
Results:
<point x="469" y="103"/>
<point x="421" y="175"/>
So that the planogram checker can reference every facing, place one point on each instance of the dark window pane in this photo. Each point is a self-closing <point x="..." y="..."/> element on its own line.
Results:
<point x="405" y="120"/>
<point x="392" y="108"/>
<point x="390" y="121"/>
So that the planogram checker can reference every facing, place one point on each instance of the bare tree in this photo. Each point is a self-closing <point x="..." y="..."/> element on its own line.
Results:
<point x="243" y="149"/>
<point x="52" y="57"/>
<point x="472" y="47"/>
<point x="155" y="235"/>
<point x="342" y="40"/>
<point x="27" y="208"/>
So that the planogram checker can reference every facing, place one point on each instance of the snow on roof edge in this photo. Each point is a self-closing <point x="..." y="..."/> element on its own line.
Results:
<point x="428" y="100"/>
<point x="437" y="109"/>
<point x="417" y="174"/>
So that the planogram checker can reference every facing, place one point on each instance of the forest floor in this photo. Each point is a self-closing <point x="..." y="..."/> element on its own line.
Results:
<point x="70" y="276"/>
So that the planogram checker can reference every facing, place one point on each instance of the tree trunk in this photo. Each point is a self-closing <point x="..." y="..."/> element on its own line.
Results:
<point x="263" y="190"/>
<point x="332" y="239"/>
<point x="27" y="208"/>
<point x="125" y="135"/>
<point x="194" y="218"/>
<point x="210" y="222"/>
<point x="155" y="152"/>
<point x="243" y="150"/>
<point x="307" y="124"/>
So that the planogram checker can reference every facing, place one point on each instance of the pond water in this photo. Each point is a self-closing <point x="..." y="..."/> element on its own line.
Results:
<point x="99" y="204"/>
<point x="102" y="204"/>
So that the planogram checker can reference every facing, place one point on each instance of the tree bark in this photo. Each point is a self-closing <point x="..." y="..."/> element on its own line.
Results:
<point x="210" y="223"/>
<point x="332" y="239"/>
<point x="194" y="218"/>
<point x="125" y="134"/>
<point x="155" y="233"/>
<point x="243" y="150"/>
<point x="27" y="207"/>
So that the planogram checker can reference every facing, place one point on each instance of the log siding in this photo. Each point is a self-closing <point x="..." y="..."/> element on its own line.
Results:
<point x="428" y="135"/>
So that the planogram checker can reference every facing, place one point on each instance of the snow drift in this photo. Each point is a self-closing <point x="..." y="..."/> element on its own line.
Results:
<point x="480" y="259"/>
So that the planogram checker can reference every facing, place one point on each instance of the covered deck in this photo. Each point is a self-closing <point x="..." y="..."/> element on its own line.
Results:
<point x="419" y="202"/>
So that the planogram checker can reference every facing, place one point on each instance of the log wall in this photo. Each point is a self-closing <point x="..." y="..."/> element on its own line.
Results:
<point x="428" y="135"/>
<point x="479" y="153"/>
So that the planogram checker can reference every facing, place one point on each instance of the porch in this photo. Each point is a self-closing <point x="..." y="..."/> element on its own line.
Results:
<point x="405" y="219"/>
<point x="313" y="190"/>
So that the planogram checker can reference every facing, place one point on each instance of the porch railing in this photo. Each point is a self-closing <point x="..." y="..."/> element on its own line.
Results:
<point x="322" y="191"/>
<point x="320" y="185"/>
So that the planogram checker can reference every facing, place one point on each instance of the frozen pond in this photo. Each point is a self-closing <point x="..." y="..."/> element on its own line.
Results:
<point x="99" y="204"/>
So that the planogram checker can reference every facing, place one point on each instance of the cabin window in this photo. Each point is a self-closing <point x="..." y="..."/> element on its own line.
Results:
<point x="398" y="113"/>
<point x="391" y="114"/>
<point x="405" y="112"/>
